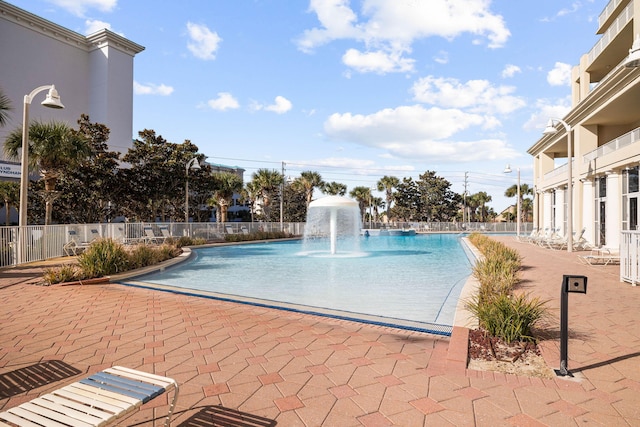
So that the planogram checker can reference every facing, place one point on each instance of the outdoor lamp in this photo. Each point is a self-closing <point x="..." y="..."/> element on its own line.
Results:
<point x="52" y="100"/>
<point x="508" y="170"/>
<point x="191" y="164"/>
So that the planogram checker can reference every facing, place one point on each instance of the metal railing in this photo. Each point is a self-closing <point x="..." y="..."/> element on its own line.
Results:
<point x="41" y="242"/>
<point x="630" y="257"/>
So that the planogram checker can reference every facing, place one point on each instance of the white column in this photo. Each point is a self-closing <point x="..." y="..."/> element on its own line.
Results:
<point x="588" y="211"/>
<point x="546" y="210"/>
<point x="613" y="211"/>
<point x="560" y="211"/>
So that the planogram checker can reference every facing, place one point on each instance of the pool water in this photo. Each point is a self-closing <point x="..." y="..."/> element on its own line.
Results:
<point x="415" y="278"/>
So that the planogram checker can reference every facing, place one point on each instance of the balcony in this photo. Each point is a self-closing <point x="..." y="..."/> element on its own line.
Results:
<point x="613" y="146"/>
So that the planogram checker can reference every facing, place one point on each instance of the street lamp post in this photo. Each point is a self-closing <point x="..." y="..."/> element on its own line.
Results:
<point x="52" y="100"/>
<point x="191" y="164"/>
<point x="550" y="130"/>
<point x="518" y="208"/>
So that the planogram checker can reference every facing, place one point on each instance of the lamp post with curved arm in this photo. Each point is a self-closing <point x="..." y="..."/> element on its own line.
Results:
<point x="191" y="164"/>
<point x="52" y="100"/>
<point x="550" y="130"/>
<point x="518" y="208"/>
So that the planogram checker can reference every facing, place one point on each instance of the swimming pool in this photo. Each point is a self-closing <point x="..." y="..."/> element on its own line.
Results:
<point x="414" y="280"/>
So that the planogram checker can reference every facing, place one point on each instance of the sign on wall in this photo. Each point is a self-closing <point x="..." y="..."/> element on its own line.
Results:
<point x="9" y="170"/>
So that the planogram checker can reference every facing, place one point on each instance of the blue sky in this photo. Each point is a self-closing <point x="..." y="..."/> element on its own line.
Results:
<point x="352" y="89"/>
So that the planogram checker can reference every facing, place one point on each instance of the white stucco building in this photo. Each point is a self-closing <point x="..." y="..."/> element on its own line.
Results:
<point x="93" y="74"/>
<point x="604" y="123"/>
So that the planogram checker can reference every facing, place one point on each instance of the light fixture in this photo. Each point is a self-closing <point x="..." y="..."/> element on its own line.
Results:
<point x="191" y="164"/>
<point x="633" y="60"/>
<point x="550" y="130"/>
<point x="52" y="100"/>
<point x="518" y="214"/>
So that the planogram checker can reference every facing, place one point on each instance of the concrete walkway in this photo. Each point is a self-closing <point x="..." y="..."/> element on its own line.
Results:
<point x="253" y="366"/>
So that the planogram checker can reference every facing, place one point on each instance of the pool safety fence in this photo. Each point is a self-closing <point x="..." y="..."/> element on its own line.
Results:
<point x="21" y="245"/>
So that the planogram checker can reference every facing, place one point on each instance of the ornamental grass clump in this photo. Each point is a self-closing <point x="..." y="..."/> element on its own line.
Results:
<point x="499" y="311"/>
<point x="103" y="257"/>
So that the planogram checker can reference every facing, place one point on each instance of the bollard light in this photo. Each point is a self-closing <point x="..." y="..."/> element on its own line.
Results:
<point x="570" y="284"/>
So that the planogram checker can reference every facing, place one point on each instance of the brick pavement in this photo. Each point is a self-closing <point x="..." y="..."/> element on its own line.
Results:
<point x="288" y="369"/>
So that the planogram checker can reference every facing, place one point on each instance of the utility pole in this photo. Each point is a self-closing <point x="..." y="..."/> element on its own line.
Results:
<point x="282" y="200"/>
<point x="464" y="198"/>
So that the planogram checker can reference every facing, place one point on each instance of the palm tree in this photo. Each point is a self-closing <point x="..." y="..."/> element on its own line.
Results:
<point x="10" y="194"/>
<point x="481" y="198"/>
<point x="363" y="197"/>
<point x="250" y="194"/>
<point x="5" y="107"/>
<point x="225" y="185"/>
<point x="334" y="188"/>
<point x="268" y="181"/>
<point x="53" y="147"/>
<point x="307" y="182"/>
<point x="387" y="184"/>
<point x="524" y="191"/>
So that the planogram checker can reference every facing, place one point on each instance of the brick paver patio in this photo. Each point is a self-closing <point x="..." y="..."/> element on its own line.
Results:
<point x="253" y="366"/>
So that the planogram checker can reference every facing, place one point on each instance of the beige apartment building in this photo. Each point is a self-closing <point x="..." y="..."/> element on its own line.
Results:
<point x="600" y="136"/>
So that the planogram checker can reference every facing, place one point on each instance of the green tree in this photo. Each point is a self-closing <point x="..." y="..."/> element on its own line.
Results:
<point x="480" y="199"/>
<point x="157" y="178"/>
<point x="10" y="195"/>
<point x="334" y="188"/>
<point x="269" y="182"/>
<point x="295" y="206"/>
<point x="525" y="190"/>
<point x="438" y="202"/>
<point x="307" y="182"/>
<point x="363" y="196"/>
<point x="250" y="194"/>
<point x="225" y="185"/>
<point x="407" y="200"/>
<point x="5" y="107"/>
<point x="53" y="148"/>
<point x="88" y="189"/>
<point x="387" y="184"/>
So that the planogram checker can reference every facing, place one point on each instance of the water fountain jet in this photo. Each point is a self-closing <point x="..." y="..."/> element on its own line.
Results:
<point x="336" y="218"/>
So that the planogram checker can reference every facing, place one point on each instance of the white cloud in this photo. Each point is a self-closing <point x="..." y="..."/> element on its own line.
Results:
<point x="377" y="62"/>
<point x="224" y="101"/>
<point x="560" y="75"/>
<point x="80" y="7"/>
<point x="414" y="132"/>
<point x="152" y="89"/>
<point x="280" y="106"/>
<point x="546" y="110"/>
<point x="479" y="96"/>
<point x="510" y="70"/>
<point x="392" y="26"/>
<point x="204" y="42"/>
<point x="93" y="25"/>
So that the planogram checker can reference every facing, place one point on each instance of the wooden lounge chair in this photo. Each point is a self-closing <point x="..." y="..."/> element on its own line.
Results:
<point x="99" y="400"/>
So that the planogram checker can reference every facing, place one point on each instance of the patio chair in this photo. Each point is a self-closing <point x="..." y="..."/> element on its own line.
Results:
<point x="600" y="256"/>
<point x="166" y="234"/>
<point x="98" y="400"/>
<point x="150" y="236"/>
<point x="229" y="229"/>
<point x="244" y="229"/>
<point x="75" y="246"/>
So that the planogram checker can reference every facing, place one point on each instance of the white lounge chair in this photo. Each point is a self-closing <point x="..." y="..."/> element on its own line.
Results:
<point x="98" y="400"/>
<point x="75" y="246"/>
<point x="150" y="236"/>
<point x="600" y="256"/>
<point x="229" y="229"/>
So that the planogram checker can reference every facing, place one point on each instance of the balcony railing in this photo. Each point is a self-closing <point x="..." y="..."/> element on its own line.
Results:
<point x="614" y="145"/>
<point x="608" y="10"/>
<point x="621" y="21"/>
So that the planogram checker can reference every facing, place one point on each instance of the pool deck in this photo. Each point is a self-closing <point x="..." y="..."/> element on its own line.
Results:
<point x="256" y="366"/>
